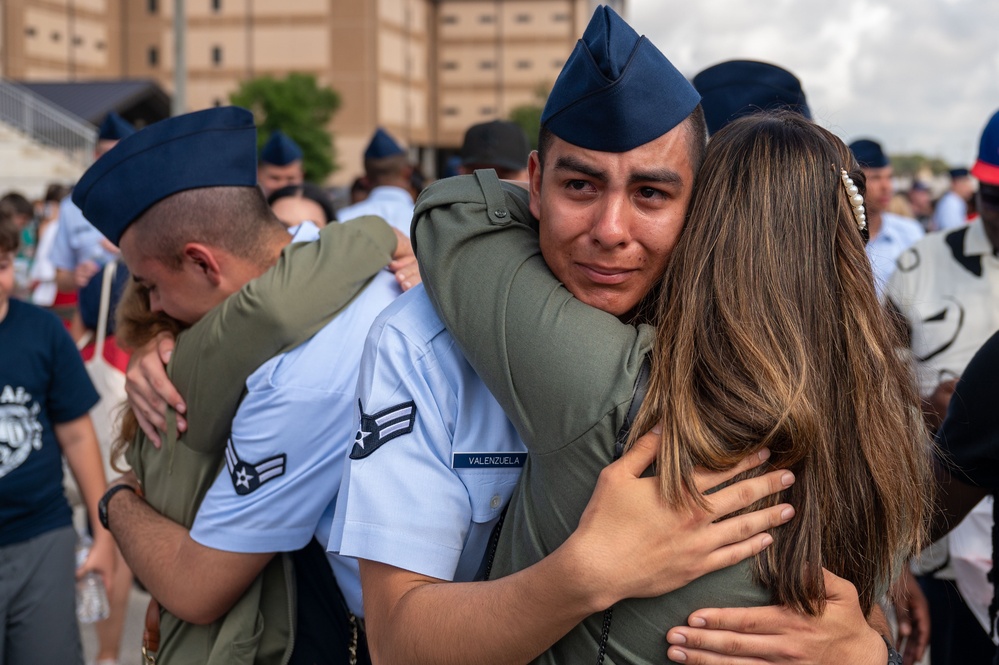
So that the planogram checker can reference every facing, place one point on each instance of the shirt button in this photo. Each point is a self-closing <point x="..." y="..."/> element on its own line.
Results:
<point x="500" y="213"/>
<point x="495" y="502"/>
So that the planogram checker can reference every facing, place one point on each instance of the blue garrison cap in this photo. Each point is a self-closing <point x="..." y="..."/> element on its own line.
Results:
<point x="616" y="91"/>
<point x="212" y="148"/>
<point x="959" y="172"/>
<point x="869" y="154"/>
<point x="382" y="145"/>
<point x="732" y="89"/>
<point x="114" y="128"/>
<point x="280" y="150"/>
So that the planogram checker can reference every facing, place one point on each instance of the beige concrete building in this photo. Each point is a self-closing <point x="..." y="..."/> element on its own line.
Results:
<point x="423" y="69"/>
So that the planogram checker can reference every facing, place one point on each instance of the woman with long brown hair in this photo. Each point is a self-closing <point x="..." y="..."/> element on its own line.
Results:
<point x="769" y="335"/>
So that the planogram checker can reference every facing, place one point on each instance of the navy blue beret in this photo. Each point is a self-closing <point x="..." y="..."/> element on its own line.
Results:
<point x="382" y="145"/>
<point x="114" y="128"/>
<point x="212" y="148"/>
<point x="869" y="154"/>
<point x="617" y="91"/>
<point x="280" y="150"/>
<point x="732" y="89"/>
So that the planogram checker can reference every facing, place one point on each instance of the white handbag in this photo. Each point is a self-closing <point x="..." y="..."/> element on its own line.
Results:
<point x="109" y="381"/>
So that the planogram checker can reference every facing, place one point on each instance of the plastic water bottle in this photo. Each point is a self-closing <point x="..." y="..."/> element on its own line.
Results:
<point x="91" y="596"/>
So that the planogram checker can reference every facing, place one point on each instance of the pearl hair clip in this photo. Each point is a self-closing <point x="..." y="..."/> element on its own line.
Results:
<point x="856" y="200"/>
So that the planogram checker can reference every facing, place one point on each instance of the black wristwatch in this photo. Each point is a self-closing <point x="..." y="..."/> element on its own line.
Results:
<point x="894" y="657"/>
<point x="102" y="505"/>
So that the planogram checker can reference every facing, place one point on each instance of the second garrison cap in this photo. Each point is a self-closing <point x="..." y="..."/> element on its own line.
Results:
<point x="280" y="150"/>
<point x="212" y="148"/>
<point x="869" y="154"/>
<point x="114" y="128"/>
<point x="497" y="143"/>
<point x="986" y="167"/>
<point x="617" y="91"/>
<point x="732" y="89"/>
<point x="382" y="145"/>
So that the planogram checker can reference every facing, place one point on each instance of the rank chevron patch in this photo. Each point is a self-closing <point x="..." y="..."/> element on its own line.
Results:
<point x="381" y="427"/>
<point x="248" y="477"/>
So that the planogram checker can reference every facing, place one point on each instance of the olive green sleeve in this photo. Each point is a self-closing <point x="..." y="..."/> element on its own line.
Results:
<point x="556" y="366"/>
<point x="309" y="285"/>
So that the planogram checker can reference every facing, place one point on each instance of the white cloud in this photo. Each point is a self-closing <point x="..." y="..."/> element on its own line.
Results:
<point x="918" y="75"/>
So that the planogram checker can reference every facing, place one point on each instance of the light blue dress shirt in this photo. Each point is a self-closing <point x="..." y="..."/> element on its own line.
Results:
<point x="393" y="204"/>
<point x="290" y="437"/>
<point x="896" y="235"/>
<point x="426" y="500"/>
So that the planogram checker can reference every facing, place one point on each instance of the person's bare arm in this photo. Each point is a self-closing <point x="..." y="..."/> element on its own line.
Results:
<point x="774" y="634"/>
<point x="935" y="404"/>
<point x="912" y="611"/>
<point x="196" y="583"/>
<point x="628" y="544"/>
<point x="79" y="446"/>
<point x="954" y="499"/>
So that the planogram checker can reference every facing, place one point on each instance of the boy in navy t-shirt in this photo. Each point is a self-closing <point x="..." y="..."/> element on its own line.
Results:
<point x="45" y="396"/>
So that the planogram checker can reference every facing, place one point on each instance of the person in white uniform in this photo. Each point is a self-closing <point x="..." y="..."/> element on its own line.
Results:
<point x="388" y="171"/>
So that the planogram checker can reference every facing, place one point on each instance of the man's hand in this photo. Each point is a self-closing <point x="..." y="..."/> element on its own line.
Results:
<point x="149" y="389"/>
<point x="776" y="634"/>
<point x="403" y="264"/>
<point x="935" y="406"/>
<point x="631" y="544"/>
<point x="913" y="614"/>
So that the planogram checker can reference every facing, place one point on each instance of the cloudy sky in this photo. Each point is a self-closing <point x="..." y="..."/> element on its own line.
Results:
<point x="917" y="75"/>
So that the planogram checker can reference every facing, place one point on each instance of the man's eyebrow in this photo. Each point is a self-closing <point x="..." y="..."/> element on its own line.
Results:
<point x="138" y="280"/>
<point x="570" y="163"/>
<point x="664" y="176"/>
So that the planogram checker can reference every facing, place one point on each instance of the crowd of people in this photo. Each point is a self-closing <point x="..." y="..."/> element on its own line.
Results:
<point x="691" y="382"/>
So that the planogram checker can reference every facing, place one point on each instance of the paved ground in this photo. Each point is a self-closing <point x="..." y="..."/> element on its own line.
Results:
<point x="131" y="642"/>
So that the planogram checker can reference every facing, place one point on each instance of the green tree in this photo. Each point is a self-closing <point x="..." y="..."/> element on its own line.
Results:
<point x="910" y="165"/>
<point x="528" y="116"/>
<point x="302" y="109"/>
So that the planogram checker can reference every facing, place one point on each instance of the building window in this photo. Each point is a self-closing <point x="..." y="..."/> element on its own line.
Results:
<point x="523" y="64"/>
<point x="487" y="64"/>
<point x="56" y="36"/>
<point x="449" y="19"/>
<point x="560" y="18"/>
<point x="450" y="110"/>
<point x="153" y="56"/>
<point x="153" y="6"/>
<point x="523" y="18"/>
<point x="77" y="40"/>
<point x="557" y="64"/>
<point x="30" y="31"/>
<point x="487" y="110"/>
<point x="216" y="55"/>
<point x="217" y="102"/>
<point x="100" y="46"/>
<point x="487" y="18"/>
<point x="450" y="64"/>
<point x="216" y="5"/>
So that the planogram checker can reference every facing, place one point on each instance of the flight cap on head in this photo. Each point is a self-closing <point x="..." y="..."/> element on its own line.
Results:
<point x="280" y="150"/>
<point x="382" y="145"/>
<point x="212" y="148"/>
<point x="959" y="172"/>
<point x="869" y="154"/>
<point x="617" y="91"/>
<point x="986" y="168"/>
<point x="114" y="128"/>
<point x="735" y="88"/>
<point x="498" y="143"/>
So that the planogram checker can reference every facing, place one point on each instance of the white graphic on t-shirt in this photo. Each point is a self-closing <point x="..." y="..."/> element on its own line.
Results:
<point x="20" y="431"/>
